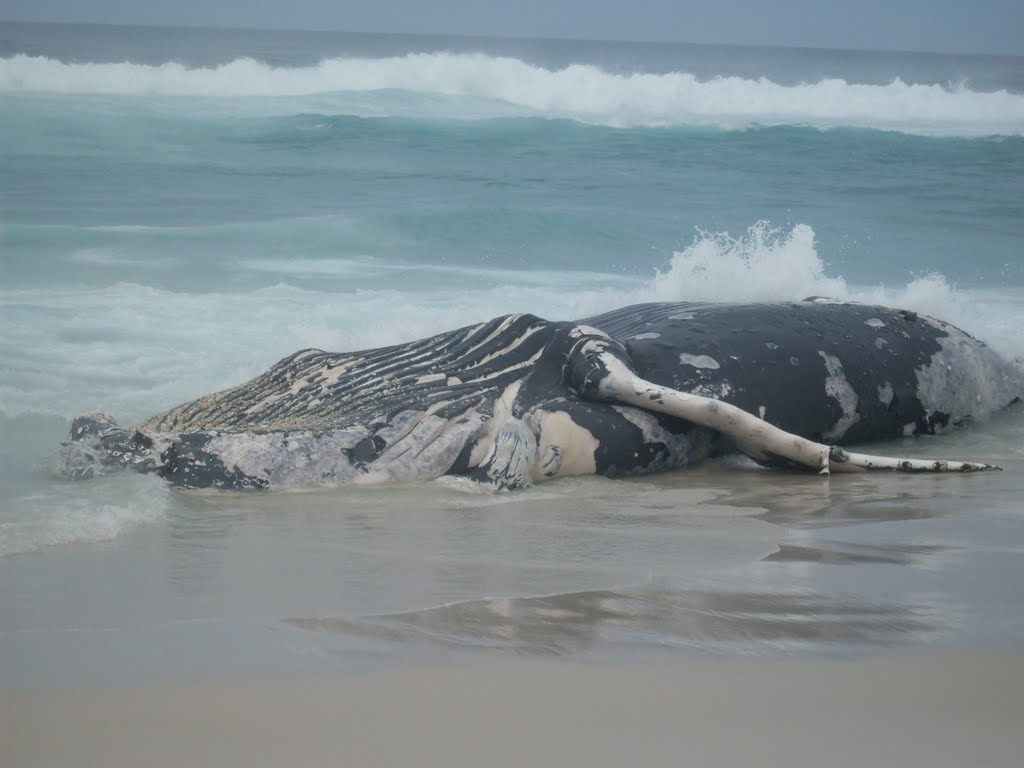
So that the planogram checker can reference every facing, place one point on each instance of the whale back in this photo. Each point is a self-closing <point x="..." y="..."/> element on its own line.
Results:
<point x="833" y="372"/>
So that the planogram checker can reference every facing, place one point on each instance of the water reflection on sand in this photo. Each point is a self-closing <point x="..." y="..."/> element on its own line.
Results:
<point x="722" y="559"/>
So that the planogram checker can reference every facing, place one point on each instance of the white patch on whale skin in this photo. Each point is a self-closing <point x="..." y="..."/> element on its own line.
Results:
<point x="332" y="372"/>
<point x="909" y="429"/>
<point x="965" y="378"/>
<point x="418" y="446"/>
<point x="645" y="421"/>
<point x="425" y="452"/>
<point x="576" y="445"/>
<point x="503" y="350"/>
<point x="886" y="394"/>
<point x="719" y="391"/>
<point x="306" y="353"/>
<point x="875" y="323"/>
<point x="771" y="345"/>
<point x="430" y="377"/>
<point x="837" y="387"/>
<point x="502" y="371"/>
<point x="881" y="343"/>
<point x="284" y="459"/>
<point x="682" y="316"/>
<point x="643" y="336"/>
<point x="502" y="327"/>
<point x="586" y="330"/>
<point x="698" y="361"/>
<point x="683" y="448"/>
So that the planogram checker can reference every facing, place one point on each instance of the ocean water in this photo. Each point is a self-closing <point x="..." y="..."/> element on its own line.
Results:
<point x="181" y="208"/>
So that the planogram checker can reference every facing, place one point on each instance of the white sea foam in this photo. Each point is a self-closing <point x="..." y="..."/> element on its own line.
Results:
<point x="130" y="350"/>
<point x="581" y="92"/>
<point x="62" y="513"/>
<point x="765" y="264"/>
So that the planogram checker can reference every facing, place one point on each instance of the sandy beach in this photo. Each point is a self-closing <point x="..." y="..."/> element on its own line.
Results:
<point x="718" y="617"/>
<point x="935" y="709"/>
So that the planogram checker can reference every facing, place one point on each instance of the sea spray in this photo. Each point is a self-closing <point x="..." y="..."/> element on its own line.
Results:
<point x="764" y="264"/>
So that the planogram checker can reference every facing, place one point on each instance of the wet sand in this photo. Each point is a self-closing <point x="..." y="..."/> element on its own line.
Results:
<point x="719" y="616"/>
<point x="939" y="709"/>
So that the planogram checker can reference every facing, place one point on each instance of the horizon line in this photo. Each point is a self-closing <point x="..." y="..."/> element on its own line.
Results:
<point x="478" y="36"/>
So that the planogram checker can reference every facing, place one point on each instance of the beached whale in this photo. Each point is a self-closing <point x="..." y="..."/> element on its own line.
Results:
<point x="519" y="399"/>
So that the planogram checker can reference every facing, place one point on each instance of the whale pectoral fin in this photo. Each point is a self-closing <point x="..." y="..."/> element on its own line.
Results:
<point x="510" y="462"/>
<point x="841" y="460"/>
<point x="602" y="370"/>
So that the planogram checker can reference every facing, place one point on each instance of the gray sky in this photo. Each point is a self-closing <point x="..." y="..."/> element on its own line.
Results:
<point x="983" y="26"/>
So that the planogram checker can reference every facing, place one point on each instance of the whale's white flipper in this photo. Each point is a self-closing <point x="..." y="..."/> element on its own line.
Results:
<point x="510" y="462"/>
<point x="760" y="440"/>
<point x="841" y="460"/>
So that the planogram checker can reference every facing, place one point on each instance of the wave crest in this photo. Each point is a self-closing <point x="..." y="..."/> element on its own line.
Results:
<point x="580" y="92"/>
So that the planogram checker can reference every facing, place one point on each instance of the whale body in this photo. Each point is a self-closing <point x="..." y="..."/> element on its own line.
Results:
<point x="519" y="399"/>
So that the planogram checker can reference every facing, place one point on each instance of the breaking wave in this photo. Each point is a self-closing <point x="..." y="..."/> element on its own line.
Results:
<point x="487" y="86"/>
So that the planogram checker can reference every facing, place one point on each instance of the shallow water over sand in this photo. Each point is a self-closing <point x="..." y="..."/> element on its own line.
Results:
<point x="725" y="559"/>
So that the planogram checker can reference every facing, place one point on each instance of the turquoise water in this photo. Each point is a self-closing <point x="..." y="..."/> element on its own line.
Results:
<point x="181" y="208"/>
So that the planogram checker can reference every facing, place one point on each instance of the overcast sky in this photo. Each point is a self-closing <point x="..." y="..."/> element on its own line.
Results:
<point x="983" y="26"/>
